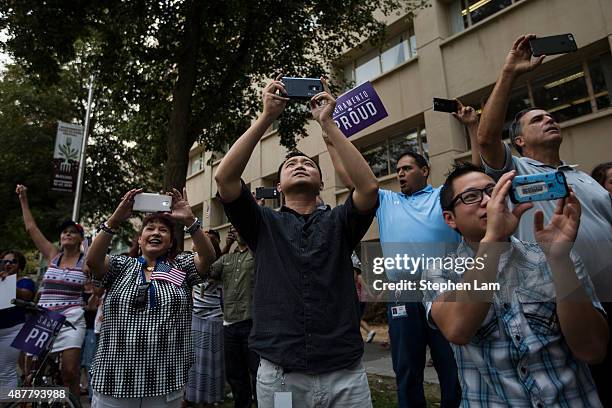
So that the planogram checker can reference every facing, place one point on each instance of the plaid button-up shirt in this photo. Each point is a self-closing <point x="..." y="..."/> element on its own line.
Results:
<point x="519" y="357"/>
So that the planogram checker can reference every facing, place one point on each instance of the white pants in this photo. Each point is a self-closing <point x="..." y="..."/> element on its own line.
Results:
<point x="346" y="388"/>
<point x="8" y="359"/>
<point x="173" y="400"/>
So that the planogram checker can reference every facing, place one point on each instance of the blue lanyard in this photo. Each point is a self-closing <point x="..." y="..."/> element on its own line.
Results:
<point x="143" y="262"/>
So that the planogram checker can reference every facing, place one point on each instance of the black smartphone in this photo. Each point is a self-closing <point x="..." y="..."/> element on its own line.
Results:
<point x="302" y="88"/>
<point x="266" y="192"/>
<point x="445" y="105"/>
<point x="555" y="44"/>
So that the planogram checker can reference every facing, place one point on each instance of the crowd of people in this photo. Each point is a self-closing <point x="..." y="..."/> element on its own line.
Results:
<point x="279" y="316"/>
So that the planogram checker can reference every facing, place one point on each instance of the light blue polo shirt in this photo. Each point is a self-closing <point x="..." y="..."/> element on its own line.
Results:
<point x="414" y="225"/>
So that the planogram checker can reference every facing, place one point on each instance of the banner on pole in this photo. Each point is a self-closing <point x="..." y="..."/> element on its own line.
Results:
<point x="66" y="157"/>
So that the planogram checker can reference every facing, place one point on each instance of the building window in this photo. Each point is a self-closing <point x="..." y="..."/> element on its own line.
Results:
<point x="196" y="163"/>
<point x="466" y="13"/>
<point x="394" y="52"/>
<point x="600" y="72"/>
<point x="382" y="157"/>
<point x="377" y="157"/>
<point x="217" y="214"/>
<point x="564" y="94"/>
<point x="568" y="93"/>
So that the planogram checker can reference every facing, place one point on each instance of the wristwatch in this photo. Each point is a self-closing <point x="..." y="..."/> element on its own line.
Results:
<point x="197" y="224"/>
<point x="104" y="227"/>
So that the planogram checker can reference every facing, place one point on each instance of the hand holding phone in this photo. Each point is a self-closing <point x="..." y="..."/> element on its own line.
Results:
<point x="152" y="202"/>
<point x="539" y="187"/>
<point x="445" y="105"/>
<point x="519" y="59"/>
<point x="302" y="88"/>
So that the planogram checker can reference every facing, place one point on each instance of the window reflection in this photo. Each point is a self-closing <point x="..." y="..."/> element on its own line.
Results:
<point x="601" y="78"/>
<point x="401" y="143"/>
<point x="367" y="68"/>
<point x="377" y="158"/>
<point x="565" y="94"/>
<point x="396" y="51"/>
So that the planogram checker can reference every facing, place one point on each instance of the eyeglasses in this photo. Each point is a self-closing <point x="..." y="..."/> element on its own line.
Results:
<point x="8" y="261"/>
<point x="472" y="195"/>
<point x="140" y="301"/>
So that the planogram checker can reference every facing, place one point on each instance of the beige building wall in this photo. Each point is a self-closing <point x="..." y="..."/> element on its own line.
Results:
<point x="461" y="65"/>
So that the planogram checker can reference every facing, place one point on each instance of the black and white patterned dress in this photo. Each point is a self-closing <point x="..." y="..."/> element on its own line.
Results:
<point x="144" y="351"/>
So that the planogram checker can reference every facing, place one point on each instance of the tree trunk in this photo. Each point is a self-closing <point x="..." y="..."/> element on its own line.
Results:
<point x="179" y="139"/>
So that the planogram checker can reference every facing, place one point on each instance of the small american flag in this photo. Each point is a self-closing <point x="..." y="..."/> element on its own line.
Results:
<point x="168" y="273"/>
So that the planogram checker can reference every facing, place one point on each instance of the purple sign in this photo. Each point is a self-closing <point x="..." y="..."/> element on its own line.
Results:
<point x="38" y="331"/>
<point x="357" y="109"/>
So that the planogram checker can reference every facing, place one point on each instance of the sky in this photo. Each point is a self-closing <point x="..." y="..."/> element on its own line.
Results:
<point x="4" y="59"/>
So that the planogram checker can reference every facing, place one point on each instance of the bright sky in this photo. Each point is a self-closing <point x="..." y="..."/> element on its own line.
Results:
<point x="4" y="59"/>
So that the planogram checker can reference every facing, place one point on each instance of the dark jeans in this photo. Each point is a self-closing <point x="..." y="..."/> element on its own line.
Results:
<point x="240" y="363"/>
<point x="601" y="372"/>
<point x="409" y="337"/>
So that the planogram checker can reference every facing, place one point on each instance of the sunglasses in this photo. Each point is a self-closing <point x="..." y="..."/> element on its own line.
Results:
<point x="9" y="262"/>
<point x="140" y="301"/>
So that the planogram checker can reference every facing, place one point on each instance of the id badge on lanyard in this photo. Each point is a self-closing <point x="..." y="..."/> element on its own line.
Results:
<point x="398" y="311"/>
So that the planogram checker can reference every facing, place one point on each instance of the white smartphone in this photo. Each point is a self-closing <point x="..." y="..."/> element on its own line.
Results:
<point x="152" y="202"/>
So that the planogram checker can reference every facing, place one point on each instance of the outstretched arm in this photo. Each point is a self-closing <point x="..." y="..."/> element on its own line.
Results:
<point x="469" y="118"/>
<point x="46" y="248"/>
<point x="96" y="259"/>
<point x="365" y="194"/>
<point x="493" y="116"/>
<point x="233" y="164"/>
<point x="337" y="163"/>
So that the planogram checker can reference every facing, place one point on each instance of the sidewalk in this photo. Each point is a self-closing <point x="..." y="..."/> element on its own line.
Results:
<point x="377" y="357"/>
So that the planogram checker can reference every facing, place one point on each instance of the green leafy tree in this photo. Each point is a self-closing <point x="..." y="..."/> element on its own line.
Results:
<point x="29" y="111"/>
<point x="177" y="72"/>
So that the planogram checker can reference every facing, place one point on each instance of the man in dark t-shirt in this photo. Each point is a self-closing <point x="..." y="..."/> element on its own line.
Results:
<point x="306" y="311"/>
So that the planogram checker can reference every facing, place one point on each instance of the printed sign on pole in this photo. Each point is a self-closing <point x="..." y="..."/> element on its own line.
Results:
<point x="66" y="157"/>
<point x="37" y="332"/>
<point x="358" y="108"/>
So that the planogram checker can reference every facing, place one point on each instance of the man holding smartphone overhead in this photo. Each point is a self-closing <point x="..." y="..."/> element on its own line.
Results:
<point x="537" y="137"/>
<point x="410" y="223"/>
<point x="305" y="309"/>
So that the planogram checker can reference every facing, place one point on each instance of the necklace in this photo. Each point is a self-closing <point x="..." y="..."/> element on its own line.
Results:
<point x="150" y="268"/>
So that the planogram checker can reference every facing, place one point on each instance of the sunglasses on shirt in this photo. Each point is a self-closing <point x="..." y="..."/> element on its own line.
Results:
<point x="140" y="301"/>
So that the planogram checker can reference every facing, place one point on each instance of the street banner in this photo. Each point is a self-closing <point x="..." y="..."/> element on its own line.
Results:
<point x="66" y="157"/>
<point x="358" y="108"/>
<point x="37" y="331"/>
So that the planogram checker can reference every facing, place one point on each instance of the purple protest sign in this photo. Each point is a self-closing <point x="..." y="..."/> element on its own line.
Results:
<point x="38" y="331"/>
<point x="358" y="108"/>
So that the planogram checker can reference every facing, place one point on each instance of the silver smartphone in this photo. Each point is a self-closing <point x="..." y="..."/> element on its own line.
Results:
<point x="152" y="202"/>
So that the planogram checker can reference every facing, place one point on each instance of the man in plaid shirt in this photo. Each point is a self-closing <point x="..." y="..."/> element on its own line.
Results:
<point x="528" y="324"/>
